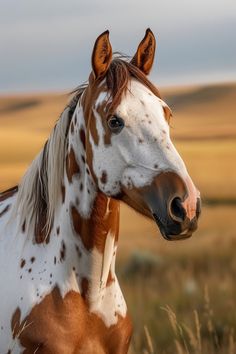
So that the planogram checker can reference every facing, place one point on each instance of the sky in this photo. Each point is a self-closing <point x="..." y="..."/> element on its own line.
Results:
<point x="46" y="45"/>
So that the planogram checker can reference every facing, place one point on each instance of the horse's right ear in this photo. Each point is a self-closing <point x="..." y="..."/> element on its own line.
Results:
<point x="102" y="55"/>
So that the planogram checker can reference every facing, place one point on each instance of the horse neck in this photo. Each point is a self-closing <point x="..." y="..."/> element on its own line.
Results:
<point x="93" y="217"/>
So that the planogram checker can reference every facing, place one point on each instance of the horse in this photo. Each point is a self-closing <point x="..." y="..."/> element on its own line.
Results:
<point x="59" y="228"/>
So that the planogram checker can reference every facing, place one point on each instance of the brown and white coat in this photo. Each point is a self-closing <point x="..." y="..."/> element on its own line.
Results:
<point x="59" y="293"/>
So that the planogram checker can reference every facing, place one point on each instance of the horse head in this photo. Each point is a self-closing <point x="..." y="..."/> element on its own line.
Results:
<point x="128" y="145"/>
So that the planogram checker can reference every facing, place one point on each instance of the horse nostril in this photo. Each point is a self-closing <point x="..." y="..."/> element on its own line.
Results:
<point x="177" y="211"/>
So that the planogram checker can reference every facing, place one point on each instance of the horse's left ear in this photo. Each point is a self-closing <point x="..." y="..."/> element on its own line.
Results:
<point x="144" y="56"/>
<point x="102" y="55"/>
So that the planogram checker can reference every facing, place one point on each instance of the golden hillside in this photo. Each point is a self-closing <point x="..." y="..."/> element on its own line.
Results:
<point x="203" y="128"/>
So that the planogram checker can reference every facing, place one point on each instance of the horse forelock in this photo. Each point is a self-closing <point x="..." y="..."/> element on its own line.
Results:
<point x="118" y="77"/>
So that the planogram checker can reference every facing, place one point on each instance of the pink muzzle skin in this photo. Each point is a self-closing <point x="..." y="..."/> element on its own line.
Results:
<point x="191" y="203"/>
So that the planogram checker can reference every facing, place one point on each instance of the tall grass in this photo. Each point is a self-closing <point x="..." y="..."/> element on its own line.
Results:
<point x="180" y="305"/>
<point x="189" y="339"/>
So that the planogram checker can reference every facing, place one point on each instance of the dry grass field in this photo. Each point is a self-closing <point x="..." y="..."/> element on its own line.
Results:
<point x="181" y="295"/>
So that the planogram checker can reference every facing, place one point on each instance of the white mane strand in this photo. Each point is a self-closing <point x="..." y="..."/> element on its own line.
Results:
<point x="41" y="185"/>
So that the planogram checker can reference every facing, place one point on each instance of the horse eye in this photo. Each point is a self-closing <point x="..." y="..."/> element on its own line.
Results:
<point x="116" y="124"/>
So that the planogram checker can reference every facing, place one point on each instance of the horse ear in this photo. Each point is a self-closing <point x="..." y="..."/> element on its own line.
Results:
<point x="144" y="56"/>
<point x="102" y="55"/>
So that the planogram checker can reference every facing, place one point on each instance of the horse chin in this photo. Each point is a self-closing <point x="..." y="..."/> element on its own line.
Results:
<point x="179" y="237"/>
<point x="170" y="237"/>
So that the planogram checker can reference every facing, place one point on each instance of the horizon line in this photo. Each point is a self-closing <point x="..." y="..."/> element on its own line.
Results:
<point x="172" y="85"/>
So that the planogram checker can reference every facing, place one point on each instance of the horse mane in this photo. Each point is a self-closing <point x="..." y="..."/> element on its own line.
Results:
<point x="41" y="185"/>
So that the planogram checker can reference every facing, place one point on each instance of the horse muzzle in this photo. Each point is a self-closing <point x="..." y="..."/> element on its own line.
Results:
<point x="172" y="201"/>
<point x="175" y="205"/>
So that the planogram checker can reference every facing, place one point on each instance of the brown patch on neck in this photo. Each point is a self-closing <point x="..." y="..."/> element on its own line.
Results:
<point x="72" y="166"/>
<point x="8" y="193"/>
<point x="93" y="231"/>
<point x="65" y="325"/>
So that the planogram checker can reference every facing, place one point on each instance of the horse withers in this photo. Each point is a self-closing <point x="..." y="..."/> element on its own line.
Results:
<point x="59" y="229"/>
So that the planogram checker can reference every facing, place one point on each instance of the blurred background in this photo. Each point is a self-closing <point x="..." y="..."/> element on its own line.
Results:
<point x="181" y="295"/>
